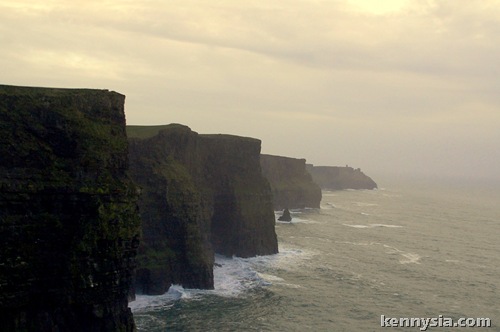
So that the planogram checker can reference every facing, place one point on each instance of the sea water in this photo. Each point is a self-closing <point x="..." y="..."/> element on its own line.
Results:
<point x="422" y="250"/>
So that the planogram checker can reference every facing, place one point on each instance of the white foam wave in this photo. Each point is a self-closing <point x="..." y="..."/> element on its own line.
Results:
<point x="270" y="277"/>
<point x="283" y="222"/>
<point x="392" y="195"/>
<point x="305" y="221"/>
<point x="292" y="211"/>
<point x="291" y="285"/>
<point x="410" y="258"/>
<point x="386" y="225"/>
<point x="295" y="220"/>
<point x="233" y="277"/>
<point x="452" y="261"/>
<point x="406" y="257"/>
<point x="328" y="205"/>
<point x="372" y="226"/>
<point x="159" y="302"/>
<point x="359" y="243"/>
<point x="365" y="204"/>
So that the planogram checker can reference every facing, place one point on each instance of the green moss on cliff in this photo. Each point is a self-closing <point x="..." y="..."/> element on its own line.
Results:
<point x="173" y="249"/>
<point x="155" y="258"/>
<point x="68" y="213"/>
<point x="199" y="192"/>
<point x="291" y="184"/>
<point x="149" y="131"/>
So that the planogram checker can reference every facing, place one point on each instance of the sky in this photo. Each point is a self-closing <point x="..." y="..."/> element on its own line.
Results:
<point x="394" y="87"/>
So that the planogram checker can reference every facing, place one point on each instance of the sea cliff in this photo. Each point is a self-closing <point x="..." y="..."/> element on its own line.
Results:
<point x="68" y="216"/>
<point x="339" y="178"/>
<point x="200" y="194"/>
<point x="292" y="186"/>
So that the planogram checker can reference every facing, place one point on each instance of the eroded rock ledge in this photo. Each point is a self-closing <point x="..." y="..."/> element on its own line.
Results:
<point x="292" y="186"/>
<point x="68" y="216"/>
<point x="200" y="194"/>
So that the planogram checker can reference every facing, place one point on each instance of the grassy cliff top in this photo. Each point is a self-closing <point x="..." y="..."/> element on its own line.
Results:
<point x="270" y="158"/>
<point x="142" y="132"/>
<point x="229" y="137"/>
<point x="149" y="131"/>
<point x="33" y="91"/>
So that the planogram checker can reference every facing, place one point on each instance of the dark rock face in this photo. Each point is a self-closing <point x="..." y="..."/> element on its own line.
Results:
<point x="285" y="216"/>
<point x="68" y="216"/>
<point x="339" y="178"/>
<point x="175" y="247"/>
<point x="200" y="194"/>
<point x="292" y="186"/>
<point x="243" y="218"/>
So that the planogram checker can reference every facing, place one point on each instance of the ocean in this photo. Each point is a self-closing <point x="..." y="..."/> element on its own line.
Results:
<point x="412" y="250"/>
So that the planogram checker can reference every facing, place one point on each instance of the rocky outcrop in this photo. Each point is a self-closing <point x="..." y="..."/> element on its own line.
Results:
<point x="292" y="186"/>
<point x="243" y="220"/>
<point x="285" y="216"/>
<point x="339" y="178"/>
<point x="175" y="246"/>
<point x="68" y="216"/>
<point x="200" y="194"/>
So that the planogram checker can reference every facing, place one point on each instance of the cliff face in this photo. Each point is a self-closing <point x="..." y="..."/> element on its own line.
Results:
<point x="200" y="194"/>
<point x="243" y="219"/>
<point x="339" y="178"/>
<point x="292" y="186"/>
<point x="175" y="247"/>
<point x="68" y="216"/>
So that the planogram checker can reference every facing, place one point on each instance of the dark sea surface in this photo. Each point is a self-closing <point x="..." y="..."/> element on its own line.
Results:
<point x="419" y="249"/>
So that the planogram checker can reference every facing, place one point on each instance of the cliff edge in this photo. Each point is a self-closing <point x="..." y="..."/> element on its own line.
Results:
<point x="68" y="216"/>
<point x="292" y="186"/>
<point x="200" y="194"/>
<point x="340" y="178"/>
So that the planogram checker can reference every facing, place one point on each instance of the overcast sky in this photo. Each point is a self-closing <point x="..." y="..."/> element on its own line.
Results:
<point x="390" y="86"/>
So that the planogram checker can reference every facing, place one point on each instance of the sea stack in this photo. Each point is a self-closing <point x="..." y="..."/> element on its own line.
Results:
<point x="285" y="216"/>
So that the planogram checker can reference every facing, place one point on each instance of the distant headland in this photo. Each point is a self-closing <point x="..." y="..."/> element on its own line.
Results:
<point x="340" y="178"/>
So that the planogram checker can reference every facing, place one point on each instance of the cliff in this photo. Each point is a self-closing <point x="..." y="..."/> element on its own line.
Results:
<point x="200" y="194"/>
<point x="68" y="216"/>
<point x="339" y="178"/>
<point x="175" y="246"/>
<point x="292" y="186"/>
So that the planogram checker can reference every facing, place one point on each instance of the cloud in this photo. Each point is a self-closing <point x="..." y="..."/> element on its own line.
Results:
<point x="366" y="80"/>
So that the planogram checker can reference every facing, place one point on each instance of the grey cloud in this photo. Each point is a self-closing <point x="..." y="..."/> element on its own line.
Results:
<point x="370" y="91"/>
